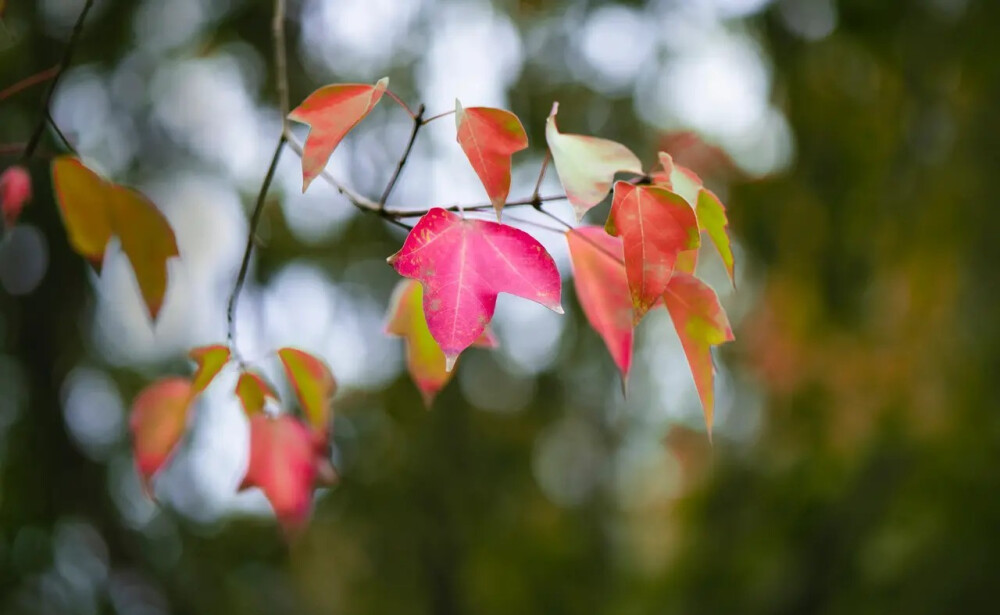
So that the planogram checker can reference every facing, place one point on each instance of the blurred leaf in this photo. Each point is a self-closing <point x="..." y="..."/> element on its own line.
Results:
<point x="15" y="192"/>
<point x="331" y="112"/>
<point x="463" y="265"/>
<point x="314" y="385"/>
<point x="158" y="420"/>
<point x="489" y="137"/>
<point x="83" y="201"/>
<point x="601" y="287"/>
<point x="424" y="358"/>
<point x="587" y="165"/>
<point x="701" y="323"/>
<point x="210" y="360"/>
<point x="253" y="392"/>
<point x="655" y="225"/>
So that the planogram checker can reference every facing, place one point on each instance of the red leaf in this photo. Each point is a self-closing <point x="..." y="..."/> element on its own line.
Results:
<point x="286" y="460"/>
<point x="655" y="226"/>
<point x="210" y="360"/>
<point x="253" y="392"/>
<point x="701" y="323"/>
<point x="314" y="385"/>
<point x="463" y="265"/>
<point x="158" y="420"/>
<point x="586" y="165"/>
<point x="601" y="287"/>
<point x="15" y="191"/>
<point x="489" y="137"/>
<point x="424" y="358"/>
<point x="331" y="113"/>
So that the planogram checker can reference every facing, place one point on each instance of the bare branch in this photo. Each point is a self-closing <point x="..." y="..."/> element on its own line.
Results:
<point x="417" y="123"/>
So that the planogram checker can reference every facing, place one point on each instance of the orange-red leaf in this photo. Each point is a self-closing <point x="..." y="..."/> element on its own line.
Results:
<point x="701" y="323"/>
<point x="286" y="459"/>
<point x="424" y="358"/>
<point x="655" y="225"/>
<point x="601" y="287"/>
<point x="253" y="392"/>
<point x="93" y="210"/>
<point x="463" y="265"/>
<point x="314" y="385"/>
<point x="158" y="420"/>
<point x="210" y="360"/>
<point x="489" y="137"/>
<point x="331" y="112"/>
<point x="15" y="191"/>
<point x="586" y="165"/>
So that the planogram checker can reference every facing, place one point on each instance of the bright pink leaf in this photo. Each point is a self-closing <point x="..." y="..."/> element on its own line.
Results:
<point x="331" y="113"/>
<point x="158" y="421"/>
<point x="489" y="137"/>
<point x="701" y="323"/>
<point x="424" y="358"/>
<point x="586" y="165"/>
<point x="313" y="383"/>
<point x="601" y="287"/>
<point x="286" y="461"/>
<point x="463" y="265"/>
<point x="15" y="191"/>
<point x="655" y="225"/>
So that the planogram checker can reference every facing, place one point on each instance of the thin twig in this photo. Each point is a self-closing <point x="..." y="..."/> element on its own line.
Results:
<point x="566" y="225"/>
<point x="438" y="116"/>
<point x="399" y="101"/>
<point x="245" y="264"/>
<point x="27" y="82"/>
<point x="417" y="123"/>
<point x="546" y="227"/>
<point x="541" y="174"/>
<point x="59" y="133"/>
<point x="280" y="61"/>
<point x="36" y="136"/>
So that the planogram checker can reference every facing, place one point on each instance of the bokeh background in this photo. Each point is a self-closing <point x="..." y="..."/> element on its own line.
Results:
<point x="854" y="467"/>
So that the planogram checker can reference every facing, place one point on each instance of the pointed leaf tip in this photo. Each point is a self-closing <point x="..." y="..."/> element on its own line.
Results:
<point x="210" y="361"/>
<point x="253" y="391"/>
<point x="314" y="385"/>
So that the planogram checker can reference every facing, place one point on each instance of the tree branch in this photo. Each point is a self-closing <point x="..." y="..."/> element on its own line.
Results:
<point x="417" y="123"/>
<point x="27" y="82"/>
<point x="36" y="135"/>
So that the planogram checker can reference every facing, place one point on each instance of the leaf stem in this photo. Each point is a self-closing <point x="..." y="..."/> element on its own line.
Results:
<point x="438" y="116"/>
<point x="541" y="174"/>
<point x="417" y="123"/>
<point x="36" y="135"/>
<point x="245" y="264"/>
<point x="27" y="82"/>
<point x="399" y="101"/>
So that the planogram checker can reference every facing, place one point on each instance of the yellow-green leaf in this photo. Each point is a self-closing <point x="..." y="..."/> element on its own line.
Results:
<point x="84" y="204"/>
<point x="253" y="392"/>
<point x="210" y="360"/>
<point x="146" y="240"/>
<point x="313" y="383"/>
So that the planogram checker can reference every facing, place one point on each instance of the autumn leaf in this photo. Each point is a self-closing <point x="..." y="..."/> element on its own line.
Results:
<point x="424" y="358"/>
<point x="709" y="210"/>
<point x="656" y="225"/>
<point x="599" y="274"/>
<point x="587" y="165"/>
<point x="463" y="265"/>
<point x="489" y="137"/>
<point x="331" y="112"/>
<point x="253" y="392"/>
<point x="286" y="460"/>
<point x="157" y="422"/>
<point x="313" y="383"/>
<point x="701" y="323"/>
<point x="85" y="206"/>
<point x="15" y="192"/>
<point x="94" y="209"/>
<point x="210" y="361"/>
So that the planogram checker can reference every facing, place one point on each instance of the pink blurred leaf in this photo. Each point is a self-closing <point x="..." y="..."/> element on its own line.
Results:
<point x="15" y="192"/>
<point x="158" y="420"/>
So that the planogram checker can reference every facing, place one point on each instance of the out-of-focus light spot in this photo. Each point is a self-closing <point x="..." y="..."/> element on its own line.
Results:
<point x="647" y="475"/>
<point x="529" y="333"/>
<point x="24" y="259"/>
<point x="125" y="489"/>
<point x="81" y="559"/>
<point x="129" y="592"/>
<point x="356" y="38"/>
<point x="320" y="212"/>
<point x="810" y="19"/>
<point x="93" y="410"/>
<point x="83" y="109"/>
<point x="490" y="385"/>
<point x="728" y="9"/>
<point x="616" y="42"/>
<point x="160" y="26"/>
<point x="474" y="55"/>
<point x="567" y="461"/>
